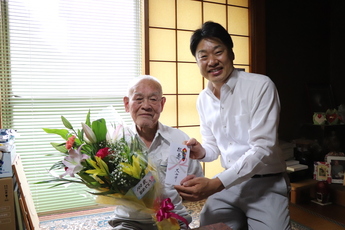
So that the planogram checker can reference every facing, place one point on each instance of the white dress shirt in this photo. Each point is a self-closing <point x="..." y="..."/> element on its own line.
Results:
<point x="242" y="127"/>
<point x="158" y="154"/>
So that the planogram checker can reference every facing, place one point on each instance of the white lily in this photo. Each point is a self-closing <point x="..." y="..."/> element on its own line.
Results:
<point x="90" y="135"/>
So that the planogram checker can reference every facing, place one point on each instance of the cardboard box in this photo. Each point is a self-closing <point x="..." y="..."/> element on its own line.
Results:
<point x="7" y="208"/>
<point x="6" y="162"/>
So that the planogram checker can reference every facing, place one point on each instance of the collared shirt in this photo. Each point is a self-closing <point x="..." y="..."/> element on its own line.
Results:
<point x="158" y="154"/>
<point x="242" y="127"/>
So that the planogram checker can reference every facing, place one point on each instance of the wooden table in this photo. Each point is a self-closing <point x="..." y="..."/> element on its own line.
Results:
<point x="298" y="187"/>
<point x="217" y="226"/>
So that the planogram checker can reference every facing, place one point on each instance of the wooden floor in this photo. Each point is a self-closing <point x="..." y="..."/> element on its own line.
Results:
<point x="319" y="217"/>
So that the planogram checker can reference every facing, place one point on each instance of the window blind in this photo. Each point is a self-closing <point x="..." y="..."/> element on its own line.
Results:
<point x="64" y="57"/>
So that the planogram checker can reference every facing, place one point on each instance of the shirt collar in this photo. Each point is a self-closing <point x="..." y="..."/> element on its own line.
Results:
<point x="229" y="85"/>
<point x="162" y="133"/>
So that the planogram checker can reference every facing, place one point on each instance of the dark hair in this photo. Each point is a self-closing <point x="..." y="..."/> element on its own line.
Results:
<point x="210" y="30"/>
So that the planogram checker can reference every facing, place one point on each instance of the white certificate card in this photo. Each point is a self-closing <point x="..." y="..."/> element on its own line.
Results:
<point x="178" y="162"/>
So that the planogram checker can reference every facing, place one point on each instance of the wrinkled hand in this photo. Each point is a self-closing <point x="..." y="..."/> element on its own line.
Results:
<point x="187" y="178"/>
<point x="196" y="149"/>
<point x="198" y="188"/>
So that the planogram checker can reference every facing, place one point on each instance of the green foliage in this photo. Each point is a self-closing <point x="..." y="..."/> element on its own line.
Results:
<point x="64" y="133"/>
<point x="99" y="127"/>
<point x="60" y="147"/>
<point x="66" y="123"/>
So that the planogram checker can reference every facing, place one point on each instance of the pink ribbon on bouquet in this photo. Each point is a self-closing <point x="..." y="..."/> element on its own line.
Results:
<point x="164" y="212"/>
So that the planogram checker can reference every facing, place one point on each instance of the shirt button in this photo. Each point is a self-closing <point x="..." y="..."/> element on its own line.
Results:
<point x="224" y="127"/>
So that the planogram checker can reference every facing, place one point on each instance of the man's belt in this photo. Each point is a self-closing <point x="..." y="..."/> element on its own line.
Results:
<point x="266" y="175"/>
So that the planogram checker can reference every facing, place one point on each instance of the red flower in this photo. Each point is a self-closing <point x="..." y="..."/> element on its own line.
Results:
<point x="70" y="142"/>
<point x="103" y="152"/>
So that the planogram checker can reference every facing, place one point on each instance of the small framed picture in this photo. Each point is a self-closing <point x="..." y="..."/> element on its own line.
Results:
<point x="322" y="171"/>
<point x="337" y="165"/>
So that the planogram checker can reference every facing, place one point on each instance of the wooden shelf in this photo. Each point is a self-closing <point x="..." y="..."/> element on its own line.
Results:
<point x="303" y="191"/>
<point x="28" y="212"/>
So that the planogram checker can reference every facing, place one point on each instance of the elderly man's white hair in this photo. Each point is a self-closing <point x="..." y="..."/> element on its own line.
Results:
<point x="136" y="80"/>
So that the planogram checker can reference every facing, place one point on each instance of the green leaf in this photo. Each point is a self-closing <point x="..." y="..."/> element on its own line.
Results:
<point x="88" y="150"/>
<point x="80" y="137"/>
<point x="57" y="165"/>
<point x="62" y="180"/>
<point x="87" y="121"/>
<point x="64" y="133"/>
<point x="61" y="147"/>
<point x="99" y="127"/>
<point x="78" y="142"/>
<point x="86" y="177"/>
<point x="66" y="123"/>
<point x="102" y="193"/>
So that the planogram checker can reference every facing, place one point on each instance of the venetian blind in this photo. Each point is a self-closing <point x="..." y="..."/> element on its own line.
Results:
<point x="64" y="57"/>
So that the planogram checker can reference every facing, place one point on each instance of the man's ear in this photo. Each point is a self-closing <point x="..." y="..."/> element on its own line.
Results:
<point x="164" y="99"/>
<point x="231" y="55"/>
<point x="126" y="103"/>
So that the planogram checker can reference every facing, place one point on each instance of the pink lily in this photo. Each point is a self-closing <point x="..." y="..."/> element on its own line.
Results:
<point x="73" y="162"/>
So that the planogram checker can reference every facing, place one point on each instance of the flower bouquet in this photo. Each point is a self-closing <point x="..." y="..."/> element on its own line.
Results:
<point x="112" y="165"/>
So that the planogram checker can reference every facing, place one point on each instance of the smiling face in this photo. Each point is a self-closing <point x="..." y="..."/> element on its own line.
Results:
<point x="145" y="104"/>
<point x="215" y="61"/>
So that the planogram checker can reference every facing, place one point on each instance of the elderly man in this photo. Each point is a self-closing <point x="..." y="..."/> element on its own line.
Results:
<point x="145" y="102"/>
